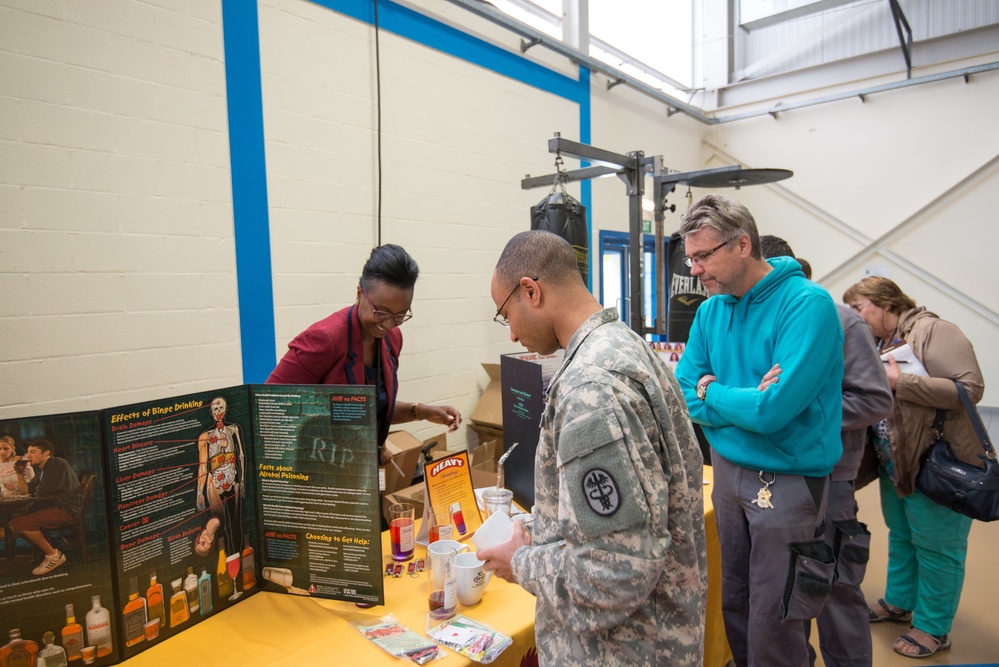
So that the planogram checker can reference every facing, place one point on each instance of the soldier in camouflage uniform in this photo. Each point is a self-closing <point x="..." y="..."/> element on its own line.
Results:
<point x="617" y="556"/>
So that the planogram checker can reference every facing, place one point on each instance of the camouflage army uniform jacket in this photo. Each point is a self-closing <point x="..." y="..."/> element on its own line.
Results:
<point x="618" y="561"/>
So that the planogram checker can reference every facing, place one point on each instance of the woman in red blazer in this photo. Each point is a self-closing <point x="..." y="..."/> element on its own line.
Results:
<point x="361" y="343"/>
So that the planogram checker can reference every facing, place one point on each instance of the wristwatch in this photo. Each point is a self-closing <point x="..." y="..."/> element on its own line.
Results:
<point x="702" y="390"/>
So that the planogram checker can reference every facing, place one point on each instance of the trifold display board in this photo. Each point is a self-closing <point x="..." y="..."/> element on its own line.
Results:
<point x="197" y="501"/>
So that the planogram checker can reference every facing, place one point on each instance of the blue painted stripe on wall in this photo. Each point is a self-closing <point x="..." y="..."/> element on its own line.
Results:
<point x="254" y="282"/>
<point x="431" y="33"/>
<point x="586" y="187"/>
<point x="241" y="36"/>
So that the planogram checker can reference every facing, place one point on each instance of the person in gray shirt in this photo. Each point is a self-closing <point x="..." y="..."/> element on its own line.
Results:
<point x="843" y="624"/>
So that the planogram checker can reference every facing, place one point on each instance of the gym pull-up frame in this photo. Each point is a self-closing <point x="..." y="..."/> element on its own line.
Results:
<point x="631" y="169"/>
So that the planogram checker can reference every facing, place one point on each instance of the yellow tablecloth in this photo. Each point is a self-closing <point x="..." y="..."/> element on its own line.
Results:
<point x="716" y="650"/>
<point x="276" y="629"/>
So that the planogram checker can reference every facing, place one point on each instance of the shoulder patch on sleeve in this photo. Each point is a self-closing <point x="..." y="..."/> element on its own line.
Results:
<point x="600" y="489"/>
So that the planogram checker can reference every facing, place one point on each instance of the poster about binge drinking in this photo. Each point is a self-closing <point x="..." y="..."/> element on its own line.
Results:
<point x="182" y="505"/>
<point x="55" y="567"/>
<point x="317" y="473"/>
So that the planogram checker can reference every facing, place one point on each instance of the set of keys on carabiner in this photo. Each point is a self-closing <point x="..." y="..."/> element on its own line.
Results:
<point x="762" y="499"/>
<point x="414" y="568"/>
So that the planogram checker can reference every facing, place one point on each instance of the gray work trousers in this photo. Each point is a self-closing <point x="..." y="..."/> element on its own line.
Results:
<point x="844" y="625"/>
<point x="777" y="569"/>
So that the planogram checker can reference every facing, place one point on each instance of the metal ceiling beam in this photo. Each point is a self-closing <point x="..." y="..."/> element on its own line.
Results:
<point x="896" y="85"/>
<point x="906" y="41"/>
<point x="488" y="12"/>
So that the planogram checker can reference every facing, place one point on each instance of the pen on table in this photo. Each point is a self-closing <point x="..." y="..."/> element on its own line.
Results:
<point x="897" y="361"/>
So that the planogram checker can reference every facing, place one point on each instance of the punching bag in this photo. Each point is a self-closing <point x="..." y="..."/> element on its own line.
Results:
<point x="685" y="292"/>
<point x="561" y="214"/>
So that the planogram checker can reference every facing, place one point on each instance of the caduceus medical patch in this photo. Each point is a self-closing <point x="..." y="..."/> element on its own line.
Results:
<point x="601" y="492"/>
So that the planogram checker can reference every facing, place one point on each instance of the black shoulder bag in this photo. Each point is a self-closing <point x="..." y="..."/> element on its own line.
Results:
<point x="962" y="487"/>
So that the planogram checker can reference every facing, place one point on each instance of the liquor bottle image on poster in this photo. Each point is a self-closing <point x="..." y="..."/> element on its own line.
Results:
<point x="459" y="518"/>
<point x="134" y="614"/>
<point x="154" y="599"/>
<point x="18" y="651"/>
<point x="191" y="591"/>
<point x="205" y="592"/>
<point x="99" y="627"/>
<point x="72" y="635"/>
<point x="222" y="576"/>
<point x="51" y="655"/>
<point x="179" y="610"/>
<point x="249" y="565"/>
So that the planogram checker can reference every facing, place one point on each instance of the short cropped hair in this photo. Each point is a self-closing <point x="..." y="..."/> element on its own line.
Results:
<point x="774" y="246"/>
<point x="542" y="255"/>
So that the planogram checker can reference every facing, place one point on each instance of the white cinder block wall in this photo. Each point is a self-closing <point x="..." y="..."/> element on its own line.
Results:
<point x="117" y="256"/>
<point x="456" y="140"/>
<point x="116" y="253"/>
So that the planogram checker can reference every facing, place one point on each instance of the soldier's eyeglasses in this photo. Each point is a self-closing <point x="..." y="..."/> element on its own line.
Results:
<point x="502" y="319"/>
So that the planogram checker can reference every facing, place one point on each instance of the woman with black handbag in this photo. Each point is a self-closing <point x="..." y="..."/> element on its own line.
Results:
<point x="927" y="542"/>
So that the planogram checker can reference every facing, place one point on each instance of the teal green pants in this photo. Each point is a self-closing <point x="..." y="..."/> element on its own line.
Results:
<point x="927" y="546"/>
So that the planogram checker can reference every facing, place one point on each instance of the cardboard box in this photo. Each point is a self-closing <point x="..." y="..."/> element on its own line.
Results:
<point x="405" y="450"/>
<point x="411" y="494"/>
<point x="524" y="378"/>
<point x="486" y="454"/>
<point x="488" y="411"/>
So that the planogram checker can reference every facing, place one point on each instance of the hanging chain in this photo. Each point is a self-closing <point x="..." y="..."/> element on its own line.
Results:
<point x="561" y="177"/>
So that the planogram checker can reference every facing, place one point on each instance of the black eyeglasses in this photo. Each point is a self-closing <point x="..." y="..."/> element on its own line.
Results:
<point x="385" y="316"/>
<point x="501" y="319"/>
<point x="702" y="257"/>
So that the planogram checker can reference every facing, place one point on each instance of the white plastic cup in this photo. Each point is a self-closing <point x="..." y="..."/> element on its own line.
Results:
<point x="497" y="500"/>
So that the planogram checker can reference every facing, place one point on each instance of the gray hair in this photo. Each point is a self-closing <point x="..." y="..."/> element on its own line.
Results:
<point x="726" y="216"/>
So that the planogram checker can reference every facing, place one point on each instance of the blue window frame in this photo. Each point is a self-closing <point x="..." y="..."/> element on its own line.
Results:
<point x="615" y="270"/>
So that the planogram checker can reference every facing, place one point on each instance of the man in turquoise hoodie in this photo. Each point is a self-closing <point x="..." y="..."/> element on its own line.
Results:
<point x="762" y="373"/>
